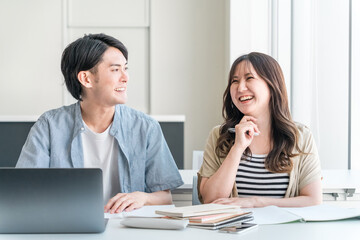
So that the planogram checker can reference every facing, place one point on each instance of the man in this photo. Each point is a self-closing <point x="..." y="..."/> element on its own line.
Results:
<point x="99" y="131"/>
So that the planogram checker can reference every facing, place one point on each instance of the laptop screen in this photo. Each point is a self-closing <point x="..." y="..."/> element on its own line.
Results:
<point x="51" y="200"/>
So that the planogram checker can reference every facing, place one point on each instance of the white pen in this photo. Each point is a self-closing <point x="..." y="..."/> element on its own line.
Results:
<point x="232" y="130"/>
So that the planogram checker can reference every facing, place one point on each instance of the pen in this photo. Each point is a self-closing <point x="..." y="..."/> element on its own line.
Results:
<point x="232" y="130"/>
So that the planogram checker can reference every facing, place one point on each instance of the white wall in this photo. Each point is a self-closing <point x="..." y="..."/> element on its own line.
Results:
<point x="177" y="52"/>
<point x="30" y="50"/>
<point x="180" y="54"/>
<point x="187" y="59"/>
<point x="355" y="85"/>
<point x="312" y="47"/>
<point x="320" y="75"/>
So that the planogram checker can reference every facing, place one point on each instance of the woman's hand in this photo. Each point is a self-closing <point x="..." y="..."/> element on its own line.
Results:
<point x="250" y="202"/>
<point x="244" y="132"/>
<point x="126" y="201"/>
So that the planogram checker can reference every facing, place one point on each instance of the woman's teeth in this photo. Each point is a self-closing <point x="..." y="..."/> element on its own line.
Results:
<point x="245" y="98"/>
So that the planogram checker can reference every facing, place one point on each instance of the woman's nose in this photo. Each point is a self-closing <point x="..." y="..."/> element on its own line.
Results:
<point x="242" y="86"/>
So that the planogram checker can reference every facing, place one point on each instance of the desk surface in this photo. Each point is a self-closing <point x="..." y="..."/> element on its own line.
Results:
<point x="348" y="229"/>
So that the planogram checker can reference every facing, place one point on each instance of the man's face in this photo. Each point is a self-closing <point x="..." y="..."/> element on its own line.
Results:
<point x="109" y="83"/>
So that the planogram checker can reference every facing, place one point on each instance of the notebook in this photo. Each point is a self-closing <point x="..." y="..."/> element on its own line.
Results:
<point x="229" y="222"/>
<point x="318" y="213"/>
<point x="199" y="210"/>
<point x="51" y="200"/>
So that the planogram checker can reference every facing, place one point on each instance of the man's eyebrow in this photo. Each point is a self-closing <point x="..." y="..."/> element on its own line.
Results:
<point x="116" y="65"/>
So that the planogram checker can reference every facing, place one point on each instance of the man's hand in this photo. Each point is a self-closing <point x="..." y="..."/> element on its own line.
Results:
<point x="126" y="201"/>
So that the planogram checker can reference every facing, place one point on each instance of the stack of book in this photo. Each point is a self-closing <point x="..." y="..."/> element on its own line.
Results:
<point x="209" y="216"/>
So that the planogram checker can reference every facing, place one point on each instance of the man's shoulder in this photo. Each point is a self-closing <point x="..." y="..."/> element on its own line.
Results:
<point x="133" y="116"/>
<point x="64" y="113"/>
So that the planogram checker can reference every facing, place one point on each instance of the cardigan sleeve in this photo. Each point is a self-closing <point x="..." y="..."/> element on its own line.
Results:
<point x="309" y="166"/>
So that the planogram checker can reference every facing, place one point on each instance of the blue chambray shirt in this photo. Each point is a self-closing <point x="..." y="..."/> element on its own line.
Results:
<point x="145" y="162"/>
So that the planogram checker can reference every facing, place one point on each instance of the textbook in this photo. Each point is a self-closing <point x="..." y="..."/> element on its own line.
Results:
<point x="319" y="213"/>
<point x="199" y="210"/>
<point x="234" y="220"/>
<point x="213" y="217"/>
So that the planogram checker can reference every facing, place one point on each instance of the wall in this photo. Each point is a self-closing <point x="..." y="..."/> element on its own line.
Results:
<point x="180" y="54"/>
<point x="187" y="59"/>
<point x="30" y="47"/>
<point x="320" y="76"/>
<point x="176" y="56"/>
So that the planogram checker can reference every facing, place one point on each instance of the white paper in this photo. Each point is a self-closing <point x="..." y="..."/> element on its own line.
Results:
<point x="324" y="212"/>
<point x="276" y="215"/>
<point x="145" y="212"/>
<point x="272" y="215"/>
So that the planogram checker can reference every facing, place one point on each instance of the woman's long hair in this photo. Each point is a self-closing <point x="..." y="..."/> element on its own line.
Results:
<point x="284" y="133"/>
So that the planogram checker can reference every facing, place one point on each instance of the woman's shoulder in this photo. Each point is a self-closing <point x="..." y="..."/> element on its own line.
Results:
<point x="304" y="130"/>
<point x="215" y="132"/>
<point x="305" y="138"/>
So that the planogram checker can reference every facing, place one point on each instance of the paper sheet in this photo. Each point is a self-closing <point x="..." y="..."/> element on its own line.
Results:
<point x="323" y="212"/>
<point x="272" y="215"/>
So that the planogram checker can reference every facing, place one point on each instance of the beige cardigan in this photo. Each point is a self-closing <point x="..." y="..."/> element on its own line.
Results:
<point x="306" y="167"/>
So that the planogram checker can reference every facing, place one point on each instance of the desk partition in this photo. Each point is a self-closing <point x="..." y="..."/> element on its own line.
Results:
<point x="14" y="131"/>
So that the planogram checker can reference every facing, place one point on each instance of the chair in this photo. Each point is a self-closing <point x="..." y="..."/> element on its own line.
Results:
<point x="196" y="164"/>
<point x="197" y="159"/>
<point x="195" y="198"/>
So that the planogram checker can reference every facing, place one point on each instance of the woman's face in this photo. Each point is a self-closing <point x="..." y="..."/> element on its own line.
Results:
<point x="249" y="93"/>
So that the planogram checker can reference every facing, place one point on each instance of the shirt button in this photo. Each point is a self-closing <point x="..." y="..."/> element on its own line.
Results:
<point x="82" y="129"/>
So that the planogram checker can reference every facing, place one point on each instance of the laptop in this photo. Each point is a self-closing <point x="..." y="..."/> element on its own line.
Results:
<point x="51" y="200"/>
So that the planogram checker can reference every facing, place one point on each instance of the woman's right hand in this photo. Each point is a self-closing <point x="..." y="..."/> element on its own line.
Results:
<point x="244" y="132"/>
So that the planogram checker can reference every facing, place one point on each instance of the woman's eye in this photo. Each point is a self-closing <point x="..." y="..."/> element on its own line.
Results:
<point x="248" y="78"/>
<point x="234" y="81"/>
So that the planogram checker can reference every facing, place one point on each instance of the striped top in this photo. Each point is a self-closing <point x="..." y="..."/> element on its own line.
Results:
<point x="253" y="179"/>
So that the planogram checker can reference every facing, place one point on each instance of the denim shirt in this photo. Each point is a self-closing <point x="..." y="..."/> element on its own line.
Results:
<point x="144" y="162"/>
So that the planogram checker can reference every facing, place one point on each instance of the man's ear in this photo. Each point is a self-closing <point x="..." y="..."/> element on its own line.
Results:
<point x="85" y="78"/>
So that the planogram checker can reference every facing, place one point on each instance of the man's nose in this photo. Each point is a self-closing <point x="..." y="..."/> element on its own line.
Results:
<point x="124" y="76"/>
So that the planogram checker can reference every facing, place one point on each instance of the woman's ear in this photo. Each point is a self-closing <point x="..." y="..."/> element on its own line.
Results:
<point x="85" y="78"/>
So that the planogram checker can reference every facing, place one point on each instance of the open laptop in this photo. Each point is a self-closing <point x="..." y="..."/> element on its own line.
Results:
<point x="51" y="200"/>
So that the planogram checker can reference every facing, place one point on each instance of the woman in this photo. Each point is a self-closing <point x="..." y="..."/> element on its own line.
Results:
<point x="268" y="159"/>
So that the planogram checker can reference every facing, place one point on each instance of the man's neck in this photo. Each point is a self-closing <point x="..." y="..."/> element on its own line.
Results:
<point x="97" y="118"/>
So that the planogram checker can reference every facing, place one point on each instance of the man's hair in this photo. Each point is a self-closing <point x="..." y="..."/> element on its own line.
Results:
<point x="84" y="55"/>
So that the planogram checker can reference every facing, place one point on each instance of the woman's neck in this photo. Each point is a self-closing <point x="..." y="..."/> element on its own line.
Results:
<point x="97" y="118"/>
<point x="262" y="144"/>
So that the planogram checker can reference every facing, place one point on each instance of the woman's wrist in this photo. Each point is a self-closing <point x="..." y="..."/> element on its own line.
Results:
<point x="238" y="149"/>
<point x="258" y="201"/>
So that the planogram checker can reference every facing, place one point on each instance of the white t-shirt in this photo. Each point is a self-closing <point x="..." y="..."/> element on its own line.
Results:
<point x="101" y="151"/>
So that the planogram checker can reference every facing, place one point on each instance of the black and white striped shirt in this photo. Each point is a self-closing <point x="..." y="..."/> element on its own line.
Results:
<point x="253" y="179"/>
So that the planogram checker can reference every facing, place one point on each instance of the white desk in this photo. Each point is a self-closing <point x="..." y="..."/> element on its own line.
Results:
<point x="348" y="229"/>
<point x="340" y="187"/>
